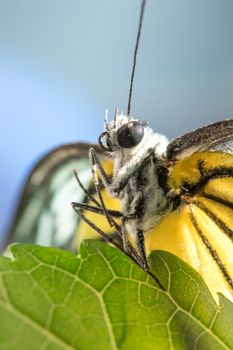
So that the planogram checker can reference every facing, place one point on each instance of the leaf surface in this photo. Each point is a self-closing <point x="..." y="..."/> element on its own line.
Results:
<point x="53" y="299"/>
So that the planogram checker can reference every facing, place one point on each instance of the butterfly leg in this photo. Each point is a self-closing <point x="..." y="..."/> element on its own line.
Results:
<point x="96" y="165"/>
<point x="132" y="253"/>
<point x="139" y="239"/>
<point x="96" y="228"/>
<point x="123" y="175"/>
<point x="125" y="240"/>
<point x="88" y="194"/>
<point x="121" y="181"/>
<point x="141" y="249"/>
<point x="97" y="210"/>
<point x="114" y="214"/>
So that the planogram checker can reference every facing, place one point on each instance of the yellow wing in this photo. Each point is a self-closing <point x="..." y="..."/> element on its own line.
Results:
<point x="200" y="231"/>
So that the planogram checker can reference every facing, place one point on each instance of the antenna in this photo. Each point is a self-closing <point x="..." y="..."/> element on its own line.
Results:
<point x="135" y="54"/>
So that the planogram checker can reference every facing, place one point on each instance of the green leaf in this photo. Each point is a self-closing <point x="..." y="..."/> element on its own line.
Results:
<point x="52" y="299"/>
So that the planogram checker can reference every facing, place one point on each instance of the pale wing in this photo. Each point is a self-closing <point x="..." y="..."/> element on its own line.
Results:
<point x="44" y="215"/>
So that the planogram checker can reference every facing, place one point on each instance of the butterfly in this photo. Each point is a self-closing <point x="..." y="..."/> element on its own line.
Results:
<point x="141" y="192"/>
<point x="175" y="196"/>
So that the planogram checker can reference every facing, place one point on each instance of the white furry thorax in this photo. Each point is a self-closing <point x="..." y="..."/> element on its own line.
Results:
<point x="130" y="165"/>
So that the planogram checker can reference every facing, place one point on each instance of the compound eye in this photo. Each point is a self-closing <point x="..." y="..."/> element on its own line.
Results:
<point x="130" y="134"/>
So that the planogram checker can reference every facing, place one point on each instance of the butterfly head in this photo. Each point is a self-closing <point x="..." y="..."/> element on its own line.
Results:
<point x="122" y="133"/>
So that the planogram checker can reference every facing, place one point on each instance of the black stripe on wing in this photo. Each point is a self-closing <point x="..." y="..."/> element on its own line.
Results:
<point x="224" y="228"/>
<point x="219" y="200"/>
<point x="211" y="250"/>
<point x="206" y="176"/>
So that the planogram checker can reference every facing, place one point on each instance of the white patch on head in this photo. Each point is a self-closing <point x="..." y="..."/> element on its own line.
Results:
<point x="150" y="140"/>
<point x="114" y="126"/>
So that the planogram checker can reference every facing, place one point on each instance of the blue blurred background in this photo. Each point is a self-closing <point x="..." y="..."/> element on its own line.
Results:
<point x="63" y="62"/>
